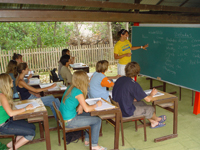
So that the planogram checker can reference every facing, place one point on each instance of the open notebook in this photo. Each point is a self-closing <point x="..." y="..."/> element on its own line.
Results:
<point x="34" y="103"/>
<point x="157" y="94"/>
<point x="105" y="105"/>
<point x="57" y="87"/>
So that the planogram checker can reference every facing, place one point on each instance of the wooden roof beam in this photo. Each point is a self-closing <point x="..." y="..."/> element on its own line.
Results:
<point x="104" y="4"/>
<point x="39" y="16"/>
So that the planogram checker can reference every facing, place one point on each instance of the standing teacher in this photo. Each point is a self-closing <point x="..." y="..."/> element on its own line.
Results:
<point x="122" y="51"/>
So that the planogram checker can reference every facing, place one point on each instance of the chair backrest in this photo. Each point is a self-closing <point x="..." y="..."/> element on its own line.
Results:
<point x="116" y="104"/>
<point x="59" y="116"/>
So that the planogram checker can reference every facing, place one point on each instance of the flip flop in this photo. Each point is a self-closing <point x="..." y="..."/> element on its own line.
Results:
<point x="101" y="148"/>
<point x="159" y="125"/>
<point x="162" y="118"/>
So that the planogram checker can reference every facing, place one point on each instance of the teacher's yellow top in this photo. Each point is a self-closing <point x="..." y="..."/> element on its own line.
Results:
<point x="123" y="48"/>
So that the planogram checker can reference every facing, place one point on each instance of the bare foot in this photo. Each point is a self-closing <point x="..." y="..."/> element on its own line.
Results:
<point x="153" y="124"/>
<point x="9" y="145"/>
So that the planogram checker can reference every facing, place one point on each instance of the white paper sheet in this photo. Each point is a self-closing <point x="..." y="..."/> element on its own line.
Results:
<point x="105" y="105"/>
<point x="157" y="94"/>
<point x="34" y="103"/>
<point x="58" y="87"/>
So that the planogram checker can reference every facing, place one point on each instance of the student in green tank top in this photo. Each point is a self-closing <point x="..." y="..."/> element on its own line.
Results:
<point x="23" y="130"/>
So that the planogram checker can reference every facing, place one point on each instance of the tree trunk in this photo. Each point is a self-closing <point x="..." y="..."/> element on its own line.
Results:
<point x="127" y="26"/>
<point x="77" y="33"/>
<point x="39" y="41"/>
<point x="110" y="34"/>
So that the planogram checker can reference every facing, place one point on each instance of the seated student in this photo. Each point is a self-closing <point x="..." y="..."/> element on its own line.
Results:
<point x="128" y="93"/>
<point x="65" y="72"/>
<point x="23" y="130"/>
<point x="99" y="82"/>
<point x="12" y="71"/>
<point x="72" y="106"/>
<point x="18" y="58"/>
<point x="64" y="52"/>
<point x="29" y="92"/>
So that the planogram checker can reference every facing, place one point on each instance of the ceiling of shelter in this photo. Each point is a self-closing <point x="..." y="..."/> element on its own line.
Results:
<point x="143" y="11"/>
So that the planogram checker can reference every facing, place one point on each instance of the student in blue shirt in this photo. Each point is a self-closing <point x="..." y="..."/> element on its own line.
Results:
<point x="99" y="82"/>
<point x="128" y="93"/>
<point x="75" y="110"/>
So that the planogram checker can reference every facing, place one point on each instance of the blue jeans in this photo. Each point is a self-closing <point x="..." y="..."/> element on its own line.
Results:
<point x="19" y="128"/>
<point x="60" y="77"/>
<point x="15" y="95"/>
<point x="47" y="100"/>
<point x="85" y="119"/>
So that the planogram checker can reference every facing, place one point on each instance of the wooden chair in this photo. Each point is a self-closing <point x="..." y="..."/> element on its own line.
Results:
<point x="66" y="130"/>
<point x="128" y="119"/>
<point x="9" y="136"/>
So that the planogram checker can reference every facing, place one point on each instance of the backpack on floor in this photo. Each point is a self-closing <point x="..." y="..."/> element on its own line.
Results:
<point x="73" y="136"/>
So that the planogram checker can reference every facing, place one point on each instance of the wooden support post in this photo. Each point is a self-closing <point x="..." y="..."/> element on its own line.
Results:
<point x="196" y="109"/>
<point x="136" y="24"/>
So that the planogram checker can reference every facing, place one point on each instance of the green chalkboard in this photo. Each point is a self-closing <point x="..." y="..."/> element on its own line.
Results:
<point x="173" y="54"/>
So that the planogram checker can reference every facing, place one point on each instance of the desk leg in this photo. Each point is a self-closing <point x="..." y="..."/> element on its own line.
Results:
<point x="46" y="128"/>
<point x="175" y="121"/>
<point x="116" y="139"/>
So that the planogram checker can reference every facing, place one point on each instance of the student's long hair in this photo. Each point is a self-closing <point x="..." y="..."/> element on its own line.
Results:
<point x="12" y="68"/>
<point x="80" y="80"/>
<point x="6" y="87"/>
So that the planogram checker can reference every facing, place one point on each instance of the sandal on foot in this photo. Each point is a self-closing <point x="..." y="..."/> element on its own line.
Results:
<point x="101" y="148"/>
<point x="159" y="125"/>
<point x="163" y="118"/>
<point x="87" y="144"/>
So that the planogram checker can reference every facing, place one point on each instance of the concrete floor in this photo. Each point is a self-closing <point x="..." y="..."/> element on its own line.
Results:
<point x="188" y="130"/>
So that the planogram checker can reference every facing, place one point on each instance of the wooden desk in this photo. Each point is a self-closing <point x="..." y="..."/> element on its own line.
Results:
<point x="33" y="76"/>
<point x="37" y="112"/>
<point x="164" y="102"/>
<point x="55" y="93"/>
<point x="115" y="111"/>
<point x="83" y="67"/>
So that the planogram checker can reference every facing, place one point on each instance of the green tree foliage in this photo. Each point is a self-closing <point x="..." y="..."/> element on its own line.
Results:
<point x="25" y="35"/>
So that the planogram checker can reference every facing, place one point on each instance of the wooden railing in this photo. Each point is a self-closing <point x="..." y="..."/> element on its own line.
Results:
<point x="39" y="59"/>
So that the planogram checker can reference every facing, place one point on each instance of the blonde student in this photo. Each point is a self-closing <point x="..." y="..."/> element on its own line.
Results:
<point x="23" y="130"/>
<point x="75" y="110"/>
<point x="99" y="82"/>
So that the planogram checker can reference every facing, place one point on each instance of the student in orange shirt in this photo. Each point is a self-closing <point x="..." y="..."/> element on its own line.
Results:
<point x="99" y="82"/>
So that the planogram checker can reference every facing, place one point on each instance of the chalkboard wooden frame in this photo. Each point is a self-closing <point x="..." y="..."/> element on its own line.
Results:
<point x="173" y="53"/>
